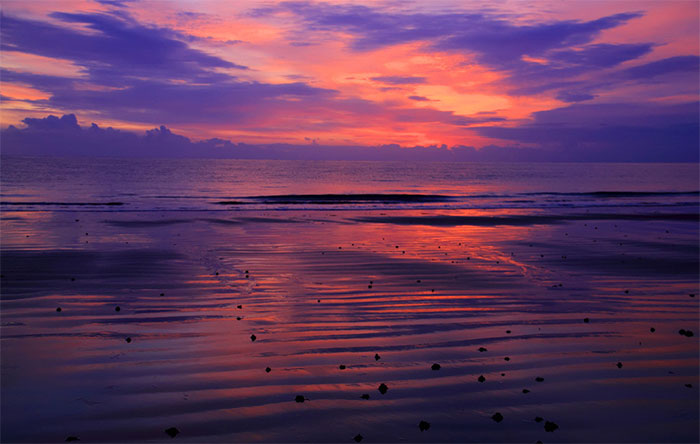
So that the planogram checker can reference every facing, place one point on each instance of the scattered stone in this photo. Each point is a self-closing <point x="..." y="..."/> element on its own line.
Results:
<point x="128" y="340"/>
<point x="549" y="426"/>
<point x="72" y="279"/>
<point x="526" y="391"/>
<point x="253" y="338"/>
<point x="539" y="379"/>
<point x="652" y="329"/>
<point x="358" y="438"/>
<point x="503" y="374"/>
<point x="482" y="349"/>
<point x="341" y="366"/>
<point x="72" y="439"/>
<point x="162" y="294"/>
<point x="423" y="426"/>
<point x="369" y="286"/>
<point x="435" y="367"/>
<point x="586" y="320"/>
<point x="58" y="309"/>
<point x="238" y="318"/>
<point x="418" y="281"/>
<point x="692" y="295"/>
<point x="508" y="331"/>
<point x="619" y="365"/>
<point x="365" y="396"/>
<point x="627" y="292"/>
<point x="481" y="378"/>
<point x="382" y="388"/>
<point x="268" y="369"/>
<point x="539" y="419"/>
<point x="377" y="357"/>
<point x="117" y="308"/>
<point x="689" y="386"/>
<point x="506" y="358"/>
<point x="240" y="307"/>
<point x="497" y="417"/>
<point x="172" y="432"/>
<point x="300" y="398"/>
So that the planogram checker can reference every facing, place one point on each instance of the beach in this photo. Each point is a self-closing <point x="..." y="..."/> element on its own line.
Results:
<point x="538" y="300"/>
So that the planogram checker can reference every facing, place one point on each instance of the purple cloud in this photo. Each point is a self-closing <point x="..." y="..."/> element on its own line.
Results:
<point x="399" y="80"/>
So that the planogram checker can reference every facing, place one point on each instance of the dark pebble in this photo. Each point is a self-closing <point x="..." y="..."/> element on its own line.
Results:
<point x="365" y="396"/>
<point x="508" y="331"/>
<point x="117" y="308"/>
<point x="497" y="417"/>
<point x="418" y="281"/>
<point x="435" y="367"/>
<point x="526" y="391"/>
<point x="72" y="439"/>
<point x="238" y="318"/>
<point x="369" y="286"/>
<point x="652" y="329"/>
<point x="341" y="366"/>
<point x="692" y="295"/>
<point x="586" y="320"/>
<point x="268" y="369"/>
<point x="619" y="365"/>
<point x="240" y="307"/>
<point x="72" y="279"/>
<point x="423" y="425"/>
<point x="481" y="378"/>
<point x="503" y="374"/>
<point x="506" y="358"/>
<point x="539" y="379"/>
<point x="128" y="340"/>
<point x="539" y="419"/>
<point x="253" y="338"/>
<point x="300" y="398"/>
<point x="377" y="357"/>
<point x="162" y="294"/>
<point x="58" y="309"/>
<point x="172" y="432"/>
<point x="358" y="438"/>
<point x="482" y="349"/>
<point x="689" y="386"/>
<point x="627" y="291"/>
<point x="382" y="388"/>
<point x="549" y="426"/>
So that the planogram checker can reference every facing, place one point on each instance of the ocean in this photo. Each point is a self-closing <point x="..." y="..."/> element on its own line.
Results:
<point x="553" y="294"/>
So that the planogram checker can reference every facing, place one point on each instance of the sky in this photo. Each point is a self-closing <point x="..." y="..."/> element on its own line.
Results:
<point x="575" y="80"/>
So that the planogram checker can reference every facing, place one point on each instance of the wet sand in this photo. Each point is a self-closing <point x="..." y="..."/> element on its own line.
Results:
<point x="323" y="289"/>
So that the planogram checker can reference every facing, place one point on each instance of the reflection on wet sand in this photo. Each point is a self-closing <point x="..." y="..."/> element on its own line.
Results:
<point x="500" y="303"/>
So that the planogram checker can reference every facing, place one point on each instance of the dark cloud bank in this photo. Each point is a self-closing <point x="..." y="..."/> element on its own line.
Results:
<point x="573" y="134"/>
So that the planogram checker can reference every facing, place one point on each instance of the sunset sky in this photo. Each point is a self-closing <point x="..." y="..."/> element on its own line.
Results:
<point x="518" y="74"/>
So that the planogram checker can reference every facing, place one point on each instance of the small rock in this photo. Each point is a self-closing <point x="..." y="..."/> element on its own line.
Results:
<point x="253" y="338"/>
<point x="689" y="386"/>
<point x="497" y="417"/>
<point x="481" y="378"/>
<point x="172" y="432"/>
<point x="240" y="306"/>
<point x="506" y="358"/>
<point x="72" y="439"/>
<point x="341" y="366"/>
<point x="652" y="329"/>
<point x="539" y="419"/>
<point x="268" y="369"/>
<point x="238" y="318"/>
<point x="377" y="357"/>
<point x="382" y="388"/>
<point x="549" y="426"/>
<point x="162" y="294"/>
<point x="128" y="340"/>
<point x="526" y="391"/>
<point x="117" y="308"/>
<point x="358" y="438"/>
<point x="365" y="396"/>
<point x="619" y="365"/>
<point x="423" y="425"/>
<point x="586" y="320"/>
<point x="692" y="295"/>
<point x="299" y="398"/>
<point x="539" y="379"/>
<point x="58" y="309"/>
<point x="508" y="331"/>
<point x="482" y="349"/>
<point x="435" y="367"/>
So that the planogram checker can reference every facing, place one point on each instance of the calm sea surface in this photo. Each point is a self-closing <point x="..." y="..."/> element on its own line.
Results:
<point x="560" y="297"/>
